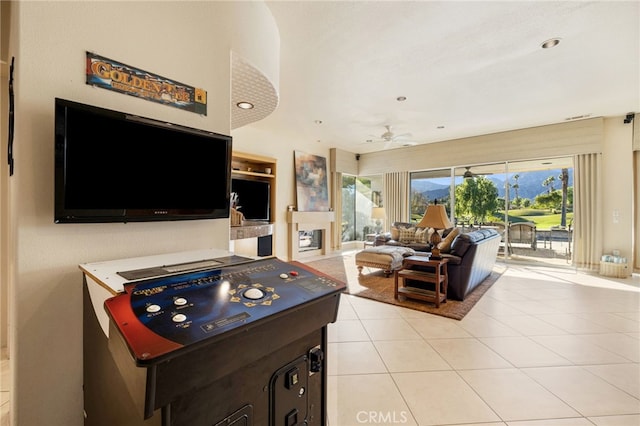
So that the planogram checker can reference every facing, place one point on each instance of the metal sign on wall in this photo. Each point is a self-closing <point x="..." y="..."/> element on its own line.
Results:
<point x="119" y="77"/>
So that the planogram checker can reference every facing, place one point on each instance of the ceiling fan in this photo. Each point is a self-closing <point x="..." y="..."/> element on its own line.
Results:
<point x="390" y="138"/>
<point x="468" y="174"/>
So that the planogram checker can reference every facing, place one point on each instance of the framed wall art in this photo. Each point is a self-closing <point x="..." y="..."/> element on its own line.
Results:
<point x="312" y="190"/>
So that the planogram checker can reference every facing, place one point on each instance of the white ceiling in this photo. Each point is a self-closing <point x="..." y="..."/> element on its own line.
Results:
<point x="473" y="67"/>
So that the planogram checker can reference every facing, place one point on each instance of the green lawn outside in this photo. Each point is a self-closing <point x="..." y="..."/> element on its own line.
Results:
<point x="542" y="218"/>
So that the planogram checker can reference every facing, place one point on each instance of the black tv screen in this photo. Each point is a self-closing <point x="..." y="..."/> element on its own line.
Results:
<point x="116" y="167"/>
<point x="253" y="198"/>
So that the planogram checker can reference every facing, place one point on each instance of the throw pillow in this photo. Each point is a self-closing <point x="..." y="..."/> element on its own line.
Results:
<point x="445" y="245"/>
<point x="407" y="235"/>
<point x="421" y="235"/>
<point x="395" y="233"/>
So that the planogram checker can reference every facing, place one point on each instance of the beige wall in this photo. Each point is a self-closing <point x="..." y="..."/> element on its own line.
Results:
<point x="188" y="41"/>
<point x="555" y="140"/>
<point x="259" y="139"/>
<point x="617" y="184"/>
<point x="4" y="178"/>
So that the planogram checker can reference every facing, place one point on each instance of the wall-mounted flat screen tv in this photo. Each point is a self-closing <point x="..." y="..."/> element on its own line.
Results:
<point x="112" y="166"/>
<point x="253" y="198"/>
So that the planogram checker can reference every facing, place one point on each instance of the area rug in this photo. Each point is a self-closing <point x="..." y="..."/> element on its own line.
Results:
<point x="372" y="284"/>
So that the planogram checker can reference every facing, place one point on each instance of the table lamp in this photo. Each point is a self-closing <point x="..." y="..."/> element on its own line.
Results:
<point x="435" y="217"/>
<point x="379" y="215"/>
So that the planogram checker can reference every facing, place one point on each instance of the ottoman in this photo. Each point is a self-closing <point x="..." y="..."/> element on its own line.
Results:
<point x="388" y="258"/>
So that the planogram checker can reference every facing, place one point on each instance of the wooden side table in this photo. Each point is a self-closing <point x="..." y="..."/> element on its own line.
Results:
<point x="439" y="278"/>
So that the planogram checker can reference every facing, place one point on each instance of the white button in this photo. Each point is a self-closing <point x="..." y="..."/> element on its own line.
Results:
<point x="180" y="301"/>
<point x="284" y="276"/>
<point x="179" y="318"/>
<point x="153" y="308"/>
<point x="253" y="294"/>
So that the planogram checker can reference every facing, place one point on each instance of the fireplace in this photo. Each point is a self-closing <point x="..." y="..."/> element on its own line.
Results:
<point x="309" y="240"/>
<point x="309" y="233"/>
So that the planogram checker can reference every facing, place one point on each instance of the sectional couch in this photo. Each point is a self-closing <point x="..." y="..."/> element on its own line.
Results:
<point x="471" y="255"/>
<point x="404" y="234"/>
<point x="471" y="260"/>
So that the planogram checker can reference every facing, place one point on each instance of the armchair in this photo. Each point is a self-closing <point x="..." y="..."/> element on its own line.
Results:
<point x="523" y="233"/>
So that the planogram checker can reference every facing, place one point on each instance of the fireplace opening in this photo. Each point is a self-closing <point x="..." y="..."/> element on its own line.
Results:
<point x="310" y="240"/>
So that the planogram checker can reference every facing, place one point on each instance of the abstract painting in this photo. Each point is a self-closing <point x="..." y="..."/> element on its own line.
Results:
<point x="311" y="182"/>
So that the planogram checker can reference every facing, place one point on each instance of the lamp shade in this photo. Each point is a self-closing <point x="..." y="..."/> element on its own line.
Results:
<point x="378" y="213"/>
<point x="435" y="217"/>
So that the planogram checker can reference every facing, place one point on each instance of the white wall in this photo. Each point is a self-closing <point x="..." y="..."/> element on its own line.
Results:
<point x="186" y="41"/>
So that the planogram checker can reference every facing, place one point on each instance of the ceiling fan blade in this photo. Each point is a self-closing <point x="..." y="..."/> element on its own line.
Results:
<point x="403" y="135"/>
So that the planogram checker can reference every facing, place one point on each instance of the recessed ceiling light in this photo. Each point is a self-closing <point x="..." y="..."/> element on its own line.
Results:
<point x="401" y="98"/>
<point x="440" y="127"/>
<point x="318" y="122"/>
<point x="244" y="105"/>
<point x="548" y="44"/>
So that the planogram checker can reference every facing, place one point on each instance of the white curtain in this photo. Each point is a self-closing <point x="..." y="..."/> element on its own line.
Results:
<point x="587" y="218"/>
<point x="396" y="197"/>
<point x="336" y="184"/>
<point x="636" y="204"/>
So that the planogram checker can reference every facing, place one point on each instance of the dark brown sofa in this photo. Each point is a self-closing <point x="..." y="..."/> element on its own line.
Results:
<point x="404" y="234"/>
<point x="471" y="260"/>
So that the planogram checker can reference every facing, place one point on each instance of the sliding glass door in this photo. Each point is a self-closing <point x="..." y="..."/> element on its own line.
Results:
<point x="540" y="204"/>
<point x="529" y="202"/>
<point x="428" y="187"/>
<point x="361" y="207"/>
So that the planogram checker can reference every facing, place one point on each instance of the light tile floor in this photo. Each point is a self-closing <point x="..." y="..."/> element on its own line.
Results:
<point x="543" y="347"/>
